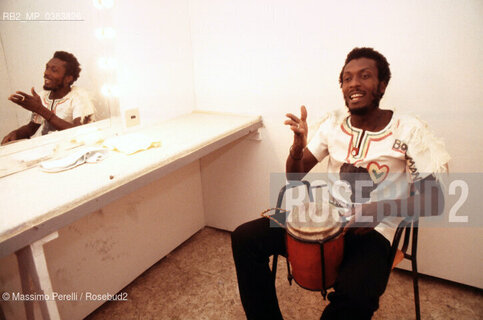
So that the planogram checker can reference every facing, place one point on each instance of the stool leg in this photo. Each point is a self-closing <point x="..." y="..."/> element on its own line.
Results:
<point x="274" y="266"/>
<point x="416" y="288"/>
<point x="414" y="249"/>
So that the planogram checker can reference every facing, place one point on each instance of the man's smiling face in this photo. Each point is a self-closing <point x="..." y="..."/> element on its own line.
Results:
<point x="54" y="75"/>
<point x="361" y="87"/>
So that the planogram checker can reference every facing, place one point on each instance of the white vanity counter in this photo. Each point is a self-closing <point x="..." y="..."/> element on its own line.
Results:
<point x="36" y="203"/>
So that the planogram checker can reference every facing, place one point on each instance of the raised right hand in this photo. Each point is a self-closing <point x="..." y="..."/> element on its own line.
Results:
<point x="299" y="127"/>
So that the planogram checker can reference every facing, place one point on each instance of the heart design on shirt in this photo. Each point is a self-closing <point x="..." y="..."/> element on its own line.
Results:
<point x="377" y="172"/>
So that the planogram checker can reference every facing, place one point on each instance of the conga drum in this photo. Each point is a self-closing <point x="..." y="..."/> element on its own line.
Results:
<point x="315" y="245"/>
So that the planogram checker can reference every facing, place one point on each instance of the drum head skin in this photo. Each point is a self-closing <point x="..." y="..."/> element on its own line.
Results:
<point x="314" y="221"/>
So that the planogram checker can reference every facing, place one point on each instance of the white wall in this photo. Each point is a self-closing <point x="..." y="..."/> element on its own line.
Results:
<point x="270" y="57"/>
<point x="153" y="47"/>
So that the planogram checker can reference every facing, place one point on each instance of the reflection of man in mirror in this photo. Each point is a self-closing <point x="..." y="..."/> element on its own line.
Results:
<point x="60" y="106"/>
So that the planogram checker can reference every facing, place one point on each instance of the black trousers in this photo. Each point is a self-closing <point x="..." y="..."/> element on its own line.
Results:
<point x="362" y="278"/>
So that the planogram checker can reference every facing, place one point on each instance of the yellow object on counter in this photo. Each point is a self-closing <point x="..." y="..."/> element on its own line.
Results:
<point x="131" y="143"/>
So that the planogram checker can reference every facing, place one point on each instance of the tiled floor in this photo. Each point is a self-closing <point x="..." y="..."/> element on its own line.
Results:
<point x="197" y="281"/>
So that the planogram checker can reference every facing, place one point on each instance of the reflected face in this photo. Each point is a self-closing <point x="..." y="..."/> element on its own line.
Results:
<point x="361" y="87"/>
<point x="54" y="75"/>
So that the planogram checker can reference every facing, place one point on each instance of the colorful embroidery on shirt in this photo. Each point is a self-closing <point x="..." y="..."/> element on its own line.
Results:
<point x="377" y="172"/>
<point x="412" y="168"/>
<point x="49" y="104"/>
<point x="360" y="141"/>
<point x="400" y="146"/>
<point x="53" y="104"/>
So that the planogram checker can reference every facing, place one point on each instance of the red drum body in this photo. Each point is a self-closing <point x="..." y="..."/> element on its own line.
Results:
<point x="314" y="249"/>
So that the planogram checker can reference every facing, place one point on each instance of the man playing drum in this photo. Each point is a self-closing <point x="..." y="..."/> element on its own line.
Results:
<point x="394" y="156"/>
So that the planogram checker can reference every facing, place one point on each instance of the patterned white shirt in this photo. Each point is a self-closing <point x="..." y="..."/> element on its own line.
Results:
<point x="75" y="104"/>
<point x="401" y="153"/>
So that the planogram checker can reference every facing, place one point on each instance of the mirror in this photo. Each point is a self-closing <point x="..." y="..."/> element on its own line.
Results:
<point x="30" y="32"/>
